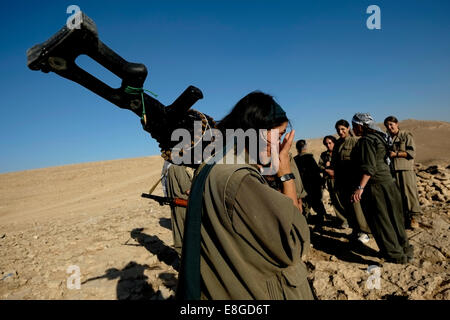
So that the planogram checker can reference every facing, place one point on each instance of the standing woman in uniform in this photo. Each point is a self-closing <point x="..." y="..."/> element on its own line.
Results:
<point x="177" y="185"/>
<point x="346" y="180"/>
<point x="377" y="191"/>
<point x="243" y="239"/>
<point x="328" y="175"/>
<point x="310" y="175"/>
<point x="402" y="154"/>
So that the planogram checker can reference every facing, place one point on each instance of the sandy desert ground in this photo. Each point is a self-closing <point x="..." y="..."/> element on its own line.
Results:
<point x="92" y="216"/>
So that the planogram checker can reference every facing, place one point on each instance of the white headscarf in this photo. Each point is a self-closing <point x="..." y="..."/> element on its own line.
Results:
<point x="366" y="120"/>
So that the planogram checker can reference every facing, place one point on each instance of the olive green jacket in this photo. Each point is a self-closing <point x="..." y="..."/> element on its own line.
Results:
<point x="341" y="162"/>
<point x="179" y="181"/>
<point x="369" y="156"/>
<point x="252" y="238"/>
<point x="404" y="141"/>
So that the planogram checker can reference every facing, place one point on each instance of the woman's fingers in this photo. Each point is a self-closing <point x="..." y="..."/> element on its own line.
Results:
<point x="356" y="196"/>
<point x="287" y="141"/>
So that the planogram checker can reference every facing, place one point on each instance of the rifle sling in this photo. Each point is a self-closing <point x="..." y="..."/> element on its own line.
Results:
<point x="189" y="276"/>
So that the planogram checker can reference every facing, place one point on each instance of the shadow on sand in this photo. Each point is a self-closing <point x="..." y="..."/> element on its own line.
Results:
<point x="133" y="284"/>
<point x="165" y="223"/>
<point x="331" y="242"/>
<point x="157" y="247"/>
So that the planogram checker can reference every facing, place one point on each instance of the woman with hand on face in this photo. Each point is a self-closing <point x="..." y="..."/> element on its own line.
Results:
<point x="402" y="156"/>
<point x="346" y="180"/>
<point x="377" y="191"/>
<point x="243" y="239"/>
<point x="328" y="174"/>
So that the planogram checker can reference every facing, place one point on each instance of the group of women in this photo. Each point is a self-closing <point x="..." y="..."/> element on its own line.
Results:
<point x="353" y="167"/>
<point x="338" y="169"/>
<point x="244" y="239"/>
<point x="340" y="175"/>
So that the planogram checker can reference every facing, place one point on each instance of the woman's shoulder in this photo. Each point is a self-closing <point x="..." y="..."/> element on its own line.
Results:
<point x="224" y="175"/>
<point x="372" y="139"/>
<point x="306" y="155"/>
<point x="366" y="139"/>
<point x="348" y="143"/>
<point x="225" y="170"/>
<point x="404" y="134"/>
<point x="244" y="181"/>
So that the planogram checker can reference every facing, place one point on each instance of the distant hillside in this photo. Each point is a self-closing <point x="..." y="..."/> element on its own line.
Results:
<point x="432" y="141"/>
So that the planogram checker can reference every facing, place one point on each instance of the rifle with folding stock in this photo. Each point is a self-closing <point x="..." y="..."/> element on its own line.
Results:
<point x="58" y="55"/>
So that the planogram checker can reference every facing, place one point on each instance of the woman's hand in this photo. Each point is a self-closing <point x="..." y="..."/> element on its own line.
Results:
<point x="285" y="146"/>
<point x="356" y="196"/>
<point x="330" y="172"/>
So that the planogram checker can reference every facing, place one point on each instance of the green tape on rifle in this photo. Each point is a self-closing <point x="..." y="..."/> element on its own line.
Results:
<point x="133" y="90"/>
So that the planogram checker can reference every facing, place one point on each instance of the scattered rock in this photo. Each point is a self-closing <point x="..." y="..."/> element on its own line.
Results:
<point x="333" y="271"/>
<point x="11" y="274"/>
<point x="433" y="185"/>
<point x="165" y="292"/>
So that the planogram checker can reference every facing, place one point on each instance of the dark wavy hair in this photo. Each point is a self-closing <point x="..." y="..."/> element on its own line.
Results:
<point x="332" y="138"/>
<point x="257" y="110"/>
<point x="390" y="119"/>
<point x="344" y="123"/>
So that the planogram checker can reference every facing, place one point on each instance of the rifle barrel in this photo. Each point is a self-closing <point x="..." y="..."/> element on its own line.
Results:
<point x="166" y="200"/>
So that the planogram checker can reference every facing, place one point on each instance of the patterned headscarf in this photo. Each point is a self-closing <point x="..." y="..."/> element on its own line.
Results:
<point x="366" y="120"/>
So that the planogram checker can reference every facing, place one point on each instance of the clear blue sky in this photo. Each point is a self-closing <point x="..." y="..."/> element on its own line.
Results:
<point x="317" y="58"/>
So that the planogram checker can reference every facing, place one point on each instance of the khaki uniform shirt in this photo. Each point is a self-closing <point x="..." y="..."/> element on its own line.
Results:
<point x="253" y="238"/>
<point x="369" y="158"/>
<point x="404" y="141"/>
<point x="179" y="181"/>
<point x="344" y="170"/>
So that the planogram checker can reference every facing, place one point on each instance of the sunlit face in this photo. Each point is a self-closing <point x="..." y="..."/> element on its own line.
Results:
<point x="277" y="135"/>
<point x="358" y="129"/>
<point x="329" y="144"/>
<point x="342" y="131"/>
<point x="391" y="127"/>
